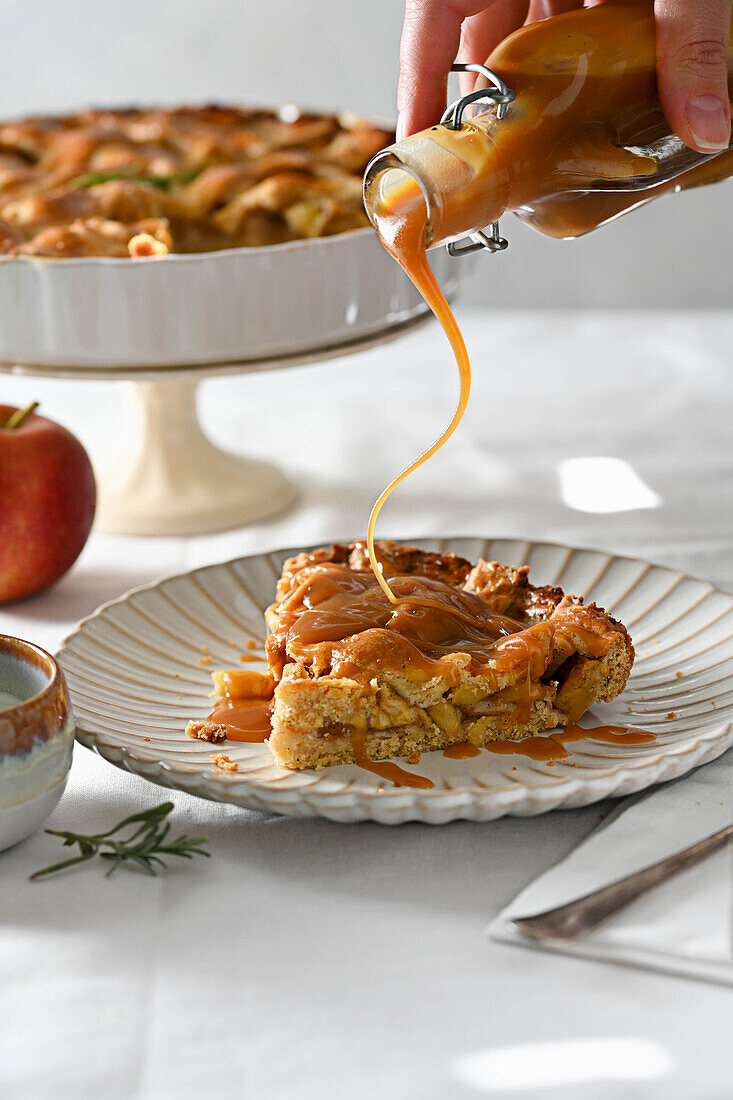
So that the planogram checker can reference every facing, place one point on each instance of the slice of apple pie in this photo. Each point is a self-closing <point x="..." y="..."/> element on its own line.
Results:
<point x="467" y="653"/>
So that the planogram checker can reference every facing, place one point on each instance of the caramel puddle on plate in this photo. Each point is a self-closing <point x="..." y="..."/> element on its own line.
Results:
<point x="552" y="746"/>
<point x="547" y="748"/>
<point x="248" y="720"/>
<point x="462" y="750"/>
<point x="245" y="719"/>
<point x="609" y="735"/>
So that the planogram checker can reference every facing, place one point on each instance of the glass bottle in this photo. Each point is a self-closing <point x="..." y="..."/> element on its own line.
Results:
<point x="583" y="141"/>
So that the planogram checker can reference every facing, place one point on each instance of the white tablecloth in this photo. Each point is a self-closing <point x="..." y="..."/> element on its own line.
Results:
<point x="307" y="959"/>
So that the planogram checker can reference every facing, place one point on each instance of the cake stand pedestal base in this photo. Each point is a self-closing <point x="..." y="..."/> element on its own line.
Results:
<point x="171" y="480"/>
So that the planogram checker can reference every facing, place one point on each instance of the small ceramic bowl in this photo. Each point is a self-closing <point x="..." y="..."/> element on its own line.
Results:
<point x="36" y="738"/>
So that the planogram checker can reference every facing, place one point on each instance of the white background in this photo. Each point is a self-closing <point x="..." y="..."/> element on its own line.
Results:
<point x="342" y="54"/>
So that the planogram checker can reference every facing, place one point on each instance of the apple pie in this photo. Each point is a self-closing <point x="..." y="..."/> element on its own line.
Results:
<point x="145" y="182"/>
<point x="468" y="653"/>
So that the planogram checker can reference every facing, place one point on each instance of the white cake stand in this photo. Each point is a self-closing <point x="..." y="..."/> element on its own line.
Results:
<point x="171" y="479"/>
<point x="161" y="325"/>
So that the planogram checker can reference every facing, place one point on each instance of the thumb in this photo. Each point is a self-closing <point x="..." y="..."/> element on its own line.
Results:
<point x="692" y="70"/>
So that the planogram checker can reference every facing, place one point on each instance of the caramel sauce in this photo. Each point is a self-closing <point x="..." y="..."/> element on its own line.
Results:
<point x="245" y="719"/>
<point x="462" y="750"/>
<point x="244" y="704"/>
<point x="332" y="615"/>
<point x="568" y="155"/>
<point x="610" y="735"/>
<point x="526" y="649"/>
<point x="402" y="227"/>
<point x="538" y="748"/>
<point x="552" y="746"/>
<point x="387" y="769"/>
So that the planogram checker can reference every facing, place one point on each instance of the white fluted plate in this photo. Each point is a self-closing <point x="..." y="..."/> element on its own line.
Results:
<point x="136" y="678"/>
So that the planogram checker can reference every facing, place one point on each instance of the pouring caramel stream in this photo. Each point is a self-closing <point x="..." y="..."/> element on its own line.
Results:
<point x="402" y="227"/>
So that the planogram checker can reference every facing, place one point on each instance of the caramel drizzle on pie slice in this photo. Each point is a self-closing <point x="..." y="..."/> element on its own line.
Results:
<point x="332" y="618"/>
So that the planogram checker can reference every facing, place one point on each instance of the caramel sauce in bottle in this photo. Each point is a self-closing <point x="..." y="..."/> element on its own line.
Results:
<point x="584" y="141"/>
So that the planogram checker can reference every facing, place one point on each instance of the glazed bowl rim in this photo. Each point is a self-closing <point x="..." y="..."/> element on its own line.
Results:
<point x="19" y="648"/>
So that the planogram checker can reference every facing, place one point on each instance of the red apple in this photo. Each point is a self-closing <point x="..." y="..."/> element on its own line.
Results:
<point x="47" y="499"/>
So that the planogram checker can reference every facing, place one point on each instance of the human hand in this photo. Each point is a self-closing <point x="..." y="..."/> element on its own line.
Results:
<point x="692" y="58"/>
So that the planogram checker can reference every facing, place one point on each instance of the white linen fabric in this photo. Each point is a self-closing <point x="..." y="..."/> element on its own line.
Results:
<point x="683" y="927"/>
<point x="308" y="959"/>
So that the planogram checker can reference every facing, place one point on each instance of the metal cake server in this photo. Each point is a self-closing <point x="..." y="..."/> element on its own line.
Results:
<point x="579" y="918"/>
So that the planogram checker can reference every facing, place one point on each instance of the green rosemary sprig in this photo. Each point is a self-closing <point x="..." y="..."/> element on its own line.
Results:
<point x="144" y="847"/>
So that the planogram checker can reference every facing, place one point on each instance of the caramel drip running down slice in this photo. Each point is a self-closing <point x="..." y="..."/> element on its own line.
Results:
<point x="402" y="228"/>
<point x="386" y="769"/>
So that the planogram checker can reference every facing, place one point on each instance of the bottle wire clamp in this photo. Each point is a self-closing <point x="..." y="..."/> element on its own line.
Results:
<point x="497" y="93"/>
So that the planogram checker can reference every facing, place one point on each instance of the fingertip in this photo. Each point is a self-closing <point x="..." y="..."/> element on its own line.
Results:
<point x="419" y="105"/>
<point x="709" y="121"/>
<point x="701" y="121"/>
<point x="430" y="38"/>
<point x="692" y="72"/>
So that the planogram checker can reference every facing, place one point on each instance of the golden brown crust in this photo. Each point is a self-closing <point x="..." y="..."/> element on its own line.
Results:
<point x="202" y="178"/>
<point x="396" y="560"/>
<point x="508" y="591"/>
